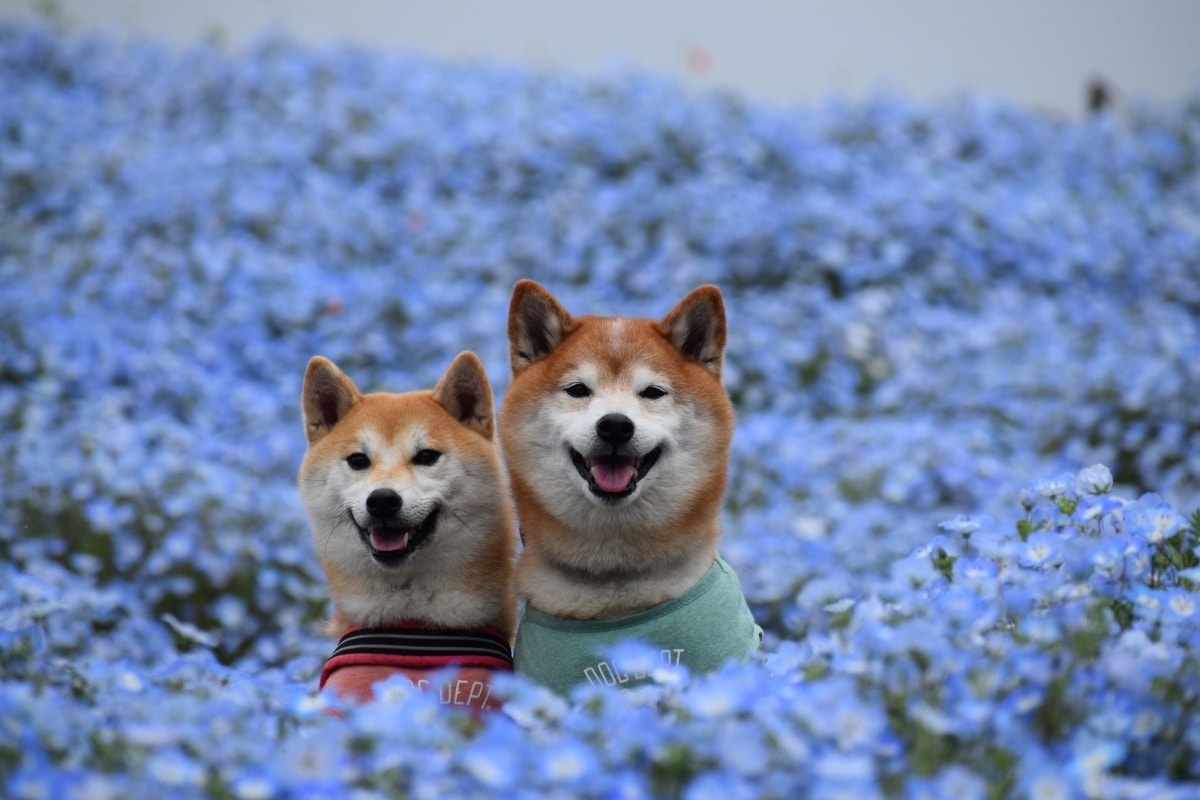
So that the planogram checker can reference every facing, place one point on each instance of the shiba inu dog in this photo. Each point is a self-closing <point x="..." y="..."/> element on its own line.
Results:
<point x="616" y="434"/>
<point x="410" y="514"/>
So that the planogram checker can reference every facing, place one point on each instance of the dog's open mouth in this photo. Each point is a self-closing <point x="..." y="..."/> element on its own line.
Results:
<point x="389" y="545"/>
<point x="614" y="476"/>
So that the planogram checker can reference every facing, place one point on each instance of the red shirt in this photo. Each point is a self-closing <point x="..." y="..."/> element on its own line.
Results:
<point x="366" y="656"/>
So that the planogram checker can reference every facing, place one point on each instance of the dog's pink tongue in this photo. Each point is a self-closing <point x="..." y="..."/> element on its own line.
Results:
<point x="387" y="540"/>
<point x="613" y="474"/>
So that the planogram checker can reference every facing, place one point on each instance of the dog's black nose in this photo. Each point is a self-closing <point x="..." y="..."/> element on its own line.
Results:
<point x="614" y="429"/>
<point x="383" y="503"/>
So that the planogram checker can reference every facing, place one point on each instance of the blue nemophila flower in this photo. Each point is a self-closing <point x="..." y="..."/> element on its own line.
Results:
<point x="1149" y="518"/>
<point x="965" y="525"/>
<point x="1047" y="780"/>
<point x="528" y="703"/>
<point x="824" y="590"/>
<point x="1029" y="498"/>
<point x="926" y="550"/>
<point x="1138" y="560"/>
<point x="964" y="608"/>
<point x="1109" y="558"/>
<point x="844" y="775"/>
<point x="1055" y="487"/>
<point x="1041" y="629"/>
<point x="493" y="762"/>
<point x="1040" y="550"/>
<point x="913" y="572"/>
<point x="568" y="763"/>
<point x="175" y="770"/>
<point x="308" y="705"/>
<point x="1092" y="510"/>
<point x="1095" y="480"/>
<point x="641" y="661"/>
<point x="1147" y="721"/>
<point x="1093" y="761"/>
<point x="715" y="699"/>
<point x="1181" y="605"/>
<point x="254" y="784"/>
<point x="954" y="781"/>
<point x="718" y="786"/>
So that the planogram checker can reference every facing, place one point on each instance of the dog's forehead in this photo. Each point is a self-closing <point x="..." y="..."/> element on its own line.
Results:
<point x="618" y="348"/>
<point x="402" y="436"/>
<point x="402" y="421"/>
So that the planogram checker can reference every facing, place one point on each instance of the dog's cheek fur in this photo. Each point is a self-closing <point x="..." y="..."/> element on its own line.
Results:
<point x="705" y="451"/>
<point x="326" y="496"/>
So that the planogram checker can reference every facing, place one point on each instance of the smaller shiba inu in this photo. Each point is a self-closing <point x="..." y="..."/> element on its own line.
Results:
<point x="616" y="433"/>
<point x="409" y="511"/>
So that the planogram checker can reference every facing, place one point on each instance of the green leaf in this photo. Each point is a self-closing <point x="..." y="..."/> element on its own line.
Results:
<point x="944" y="563"/>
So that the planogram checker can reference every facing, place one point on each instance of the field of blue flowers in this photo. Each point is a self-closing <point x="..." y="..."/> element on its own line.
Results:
<point x="945" y="318"/>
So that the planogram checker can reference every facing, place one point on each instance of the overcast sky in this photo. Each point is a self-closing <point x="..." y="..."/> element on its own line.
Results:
<point x="1041" y="53"/>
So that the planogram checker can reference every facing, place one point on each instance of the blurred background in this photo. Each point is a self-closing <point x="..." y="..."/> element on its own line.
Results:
<point x="1046" y="55"/>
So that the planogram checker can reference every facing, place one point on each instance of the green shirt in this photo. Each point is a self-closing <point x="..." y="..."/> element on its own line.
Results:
<point x="702" y="628"/>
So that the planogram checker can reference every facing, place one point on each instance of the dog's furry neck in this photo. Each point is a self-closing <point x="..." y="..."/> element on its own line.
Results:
<point x="599" y="578"/>
<point x="435" y="607"/>
<point x="572" y="592"/>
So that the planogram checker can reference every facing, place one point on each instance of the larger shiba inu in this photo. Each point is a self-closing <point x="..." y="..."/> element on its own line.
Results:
<point x="410" y="514"/>
<point x="616" y="433"/>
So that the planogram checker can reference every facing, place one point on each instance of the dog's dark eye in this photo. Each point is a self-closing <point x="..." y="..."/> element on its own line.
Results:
<point x="578" y="390"/>
<point x="652" y="393"/>
<point x="358" y="461"/>
<point x="426" y="457"/>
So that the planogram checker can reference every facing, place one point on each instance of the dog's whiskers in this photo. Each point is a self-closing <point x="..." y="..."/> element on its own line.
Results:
<point x="462" y="518"/>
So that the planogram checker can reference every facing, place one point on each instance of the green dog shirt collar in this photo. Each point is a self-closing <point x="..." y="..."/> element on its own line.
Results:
<point x="702" y="628"/>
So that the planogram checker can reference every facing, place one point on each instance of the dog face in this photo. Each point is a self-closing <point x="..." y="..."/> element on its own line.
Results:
<point x="615" y="427"/>
<point x="405" y="493"/>
<point x="391" y="479"/>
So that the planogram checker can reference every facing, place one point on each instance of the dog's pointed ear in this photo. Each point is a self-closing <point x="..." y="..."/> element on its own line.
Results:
<point x="696" y="326"/>
<point x="327" y="395"/>
<point x="536" y="324"/>
<point x="466" y="394"/>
